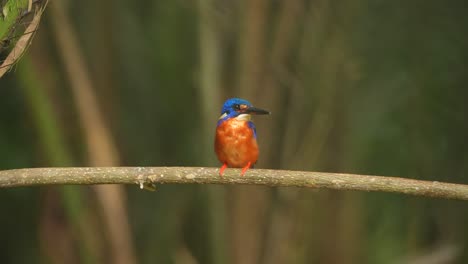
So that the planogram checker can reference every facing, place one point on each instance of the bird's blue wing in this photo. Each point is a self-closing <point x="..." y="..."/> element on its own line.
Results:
<point x="252" y="126"/>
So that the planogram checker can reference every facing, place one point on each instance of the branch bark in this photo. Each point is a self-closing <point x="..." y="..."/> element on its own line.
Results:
<point x="181" y="175"/>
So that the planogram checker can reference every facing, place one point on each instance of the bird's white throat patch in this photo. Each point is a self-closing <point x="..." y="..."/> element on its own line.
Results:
<point x="244" y="117"/>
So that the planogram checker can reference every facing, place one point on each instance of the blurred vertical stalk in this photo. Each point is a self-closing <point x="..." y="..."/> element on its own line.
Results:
<point x="101" y="149"/>
<point x="283" y="209"/>
<point x="210" y="83"/>
<point x="315" y="21"/>
<point x="421" y="154"/>
<point x="252" y="46"/>
<point x="272" y="93"/>
<point x="323" y="59"/>
<point x="103" y="54"/>
<point x="52" y="140"/>
<point x="310" y="209"/>
<point x="249" y="204"/>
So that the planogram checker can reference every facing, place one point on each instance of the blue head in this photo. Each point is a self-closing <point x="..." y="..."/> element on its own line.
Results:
<point x="239" y="108"/>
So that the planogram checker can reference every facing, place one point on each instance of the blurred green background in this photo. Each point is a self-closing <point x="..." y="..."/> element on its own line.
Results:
<point x="369" y="87"/>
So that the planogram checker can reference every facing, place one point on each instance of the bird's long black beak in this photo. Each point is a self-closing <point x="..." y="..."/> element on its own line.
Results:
<point x="257" y="111"/>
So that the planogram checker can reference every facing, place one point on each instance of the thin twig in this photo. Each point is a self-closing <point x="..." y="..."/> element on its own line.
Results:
<point x="160" y="175"/>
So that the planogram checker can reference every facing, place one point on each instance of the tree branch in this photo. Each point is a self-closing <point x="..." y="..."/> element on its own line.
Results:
<point x="161" y="175"/>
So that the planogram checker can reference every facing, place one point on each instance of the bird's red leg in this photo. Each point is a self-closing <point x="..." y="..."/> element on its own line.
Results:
<point x="246" y="168"/>
<point x="221" y="170"/>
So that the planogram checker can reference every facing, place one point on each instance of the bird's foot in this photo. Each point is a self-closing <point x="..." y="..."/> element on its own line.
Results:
<point x="221" y="170"/>
<point x="247" y="167"/>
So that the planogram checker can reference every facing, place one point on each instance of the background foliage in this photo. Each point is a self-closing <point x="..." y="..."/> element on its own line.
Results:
<point x="371" y="87"/>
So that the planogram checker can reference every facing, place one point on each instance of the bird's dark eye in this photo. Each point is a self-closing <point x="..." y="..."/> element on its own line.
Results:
<point x="236" y="107"/>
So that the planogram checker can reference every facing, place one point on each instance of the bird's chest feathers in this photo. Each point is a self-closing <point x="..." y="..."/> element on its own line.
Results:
<point x="235" y="143"/>
<point x="235" y="131"/>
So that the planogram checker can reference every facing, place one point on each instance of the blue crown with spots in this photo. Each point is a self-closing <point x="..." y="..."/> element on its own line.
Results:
<point x="228" y="106"/>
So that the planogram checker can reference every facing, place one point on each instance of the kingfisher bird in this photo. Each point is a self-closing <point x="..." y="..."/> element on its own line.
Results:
<point x="236" y="136"/>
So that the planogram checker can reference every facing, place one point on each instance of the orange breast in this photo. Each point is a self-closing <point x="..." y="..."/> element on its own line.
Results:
<point x="235" y="143"/>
